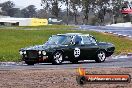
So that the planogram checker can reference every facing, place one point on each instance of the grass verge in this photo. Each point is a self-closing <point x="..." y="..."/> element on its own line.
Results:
<point x="38" y="27"/>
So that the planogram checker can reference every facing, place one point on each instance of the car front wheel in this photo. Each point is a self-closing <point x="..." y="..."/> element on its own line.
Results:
<point x="101" y="56"/>
<point x="57" y="58"/>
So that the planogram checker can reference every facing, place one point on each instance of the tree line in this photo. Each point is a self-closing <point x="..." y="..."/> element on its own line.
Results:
<point x="8" y="9"/>
<point x="95" y="12"/>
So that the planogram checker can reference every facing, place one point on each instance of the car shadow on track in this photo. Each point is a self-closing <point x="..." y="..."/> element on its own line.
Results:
<point x="81" y="62"/>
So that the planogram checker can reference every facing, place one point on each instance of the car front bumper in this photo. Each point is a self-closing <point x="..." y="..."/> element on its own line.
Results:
<point x="38" y="59"/>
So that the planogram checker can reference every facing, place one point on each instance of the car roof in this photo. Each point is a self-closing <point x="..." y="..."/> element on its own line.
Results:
<point x="74" y="34"/>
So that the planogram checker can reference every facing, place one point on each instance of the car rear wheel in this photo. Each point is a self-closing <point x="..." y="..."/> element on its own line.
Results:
<point x="101" y="56"/>
<point x="30" y="62"/>
<point x="57" y="58"/>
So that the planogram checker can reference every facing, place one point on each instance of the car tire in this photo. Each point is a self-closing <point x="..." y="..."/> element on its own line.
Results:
<point x="57" y="58"/>
<point x="30" y="62"/>
<point x="100" y="56"/>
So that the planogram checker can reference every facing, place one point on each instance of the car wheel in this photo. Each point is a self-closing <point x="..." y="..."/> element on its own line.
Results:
<point x="57" y="58"/>
<point x="101" y="56"/>
<point x="30" y="62"/>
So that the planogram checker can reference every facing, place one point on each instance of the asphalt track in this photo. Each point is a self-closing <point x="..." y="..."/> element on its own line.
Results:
<point x="123" y="31"/>
<point x="111" y="62"/>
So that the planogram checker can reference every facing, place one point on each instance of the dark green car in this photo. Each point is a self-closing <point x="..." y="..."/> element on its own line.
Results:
<point x="67" y="47"/>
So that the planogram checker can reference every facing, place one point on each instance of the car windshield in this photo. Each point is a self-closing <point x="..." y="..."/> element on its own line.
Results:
<point x="59" y="39"/>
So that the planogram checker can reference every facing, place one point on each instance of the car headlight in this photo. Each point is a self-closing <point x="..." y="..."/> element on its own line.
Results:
<point x="24" y="52"/>
<point x="39" y="52"/>
<point x="21" y="53"/>
<point x="43" y="52"/>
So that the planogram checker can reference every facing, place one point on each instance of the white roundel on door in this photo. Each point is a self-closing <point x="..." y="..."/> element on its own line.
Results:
<point x="77" y="52"/>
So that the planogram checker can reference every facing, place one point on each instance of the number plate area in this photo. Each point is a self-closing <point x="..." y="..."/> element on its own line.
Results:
<point x="32" y="54"/>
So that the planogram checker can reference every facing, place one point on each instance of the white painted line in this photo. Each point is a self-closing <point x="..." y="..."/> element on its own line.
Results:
<point x="129" y="36"/>
<point x="115" y="33"/>
<point x="120" y="57"/>
<point x="110" y="32"/>
<point x="125" y="35"/>
<point x="120" y="34"/>
<point x="129" y="54"/>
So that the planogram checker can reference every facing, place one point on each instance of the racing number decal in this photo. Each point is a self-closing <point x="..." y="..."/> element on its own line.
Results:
<point x="77" y="52"/>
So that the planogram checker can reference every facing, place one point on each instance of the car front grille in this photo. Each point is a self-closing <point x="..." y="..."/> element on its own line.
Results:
<point x="32" y="54"/>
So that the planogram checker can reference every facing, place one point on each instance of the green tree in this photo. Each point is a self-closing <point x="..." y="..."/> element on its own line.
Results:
<point x="52" y="6"/>
<point x="87" y="5"/>
<point x="8" y="8"/>
<point x="29" y="11"/>
<point x="75" y="5"/>
<point x="55" y="8"/>
<point x="116" y="7"/>
<point x="100" y="7"/>
<point x="42" y="13"/>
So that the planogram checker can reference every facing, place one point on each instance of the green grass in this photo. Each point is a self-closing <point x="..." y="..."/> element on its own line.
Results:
<point x="39" y="27"/>
<point x="12" y="40"/>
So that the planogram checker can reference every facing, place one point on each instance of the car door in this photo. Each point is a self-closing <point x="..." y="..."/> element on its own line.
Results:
<point x="75" y="50"/>
<point x="81" y="49"/>
<point x="89" y="47"/>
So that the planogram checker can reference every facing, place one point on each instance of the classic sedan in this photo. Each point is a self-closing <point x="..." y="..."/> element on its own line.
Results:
<point x="67" y="47"/>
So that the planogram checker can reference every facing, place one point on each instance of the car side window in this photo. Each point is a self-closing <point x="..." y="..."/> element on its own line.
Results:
<point x="86" y="40"/>
<point x="78" y="39"/>
<point x="92" y="40"/>
<point x="68" y="40"/>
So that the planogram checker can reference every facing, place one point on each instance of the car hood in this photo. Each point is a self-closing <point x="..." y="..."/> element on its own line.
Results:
<point x="40" y="47"/>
